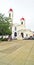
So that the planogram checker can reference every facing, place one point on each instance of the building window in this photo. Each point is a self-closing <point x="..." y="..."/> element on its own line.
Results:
<point x="15" y="34"/>
<point x="22" y="35"/>
<point x="33" y="34"/>
<point x="27" y="35"/>
<point x="21" y="22"/>
<point x="9" y="14"/>
<point x="15" y="28"/>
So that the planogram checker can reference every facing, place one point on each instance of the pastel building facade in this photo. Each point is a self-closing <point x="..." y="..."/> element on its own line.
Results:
<point x="19" y="31"/>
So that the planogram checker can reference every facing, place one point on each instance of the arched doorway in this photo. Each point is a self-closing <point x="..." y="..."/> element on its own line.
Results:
<point x="15" y="34"/>
<point x="22" y="34"/>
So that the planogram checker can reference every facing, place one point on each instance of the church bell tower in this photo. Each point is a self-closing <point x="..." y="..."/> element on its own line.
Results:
<point x="22" y="22"/>
<point x="11" y="17"/>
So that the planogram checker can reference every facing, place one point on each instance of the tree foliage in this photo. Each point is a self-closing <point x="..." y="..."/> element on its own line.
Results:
<point x="4" y="25"/>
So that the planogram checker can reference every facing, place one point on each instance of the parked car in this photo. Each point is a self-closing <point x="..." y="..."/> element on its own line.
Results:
<point x="29" y="38"/>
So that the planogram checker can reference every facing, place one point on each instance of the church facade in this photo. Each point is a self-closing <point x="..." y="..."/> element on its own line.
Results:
<point x="19" y="31"/>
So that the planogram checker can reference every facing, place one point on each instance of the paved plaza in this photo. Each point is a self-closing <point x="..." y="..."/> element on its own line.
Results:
<point x="17" y="52"/>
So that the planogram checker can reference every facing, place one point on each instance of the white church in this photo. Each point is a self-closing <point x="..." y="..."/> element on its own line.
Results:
<point x="19" y="31"/>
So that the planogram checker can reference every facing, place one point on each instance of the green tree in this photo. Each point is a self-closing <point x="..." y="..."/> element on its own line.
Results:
<point x="4" y="25"/>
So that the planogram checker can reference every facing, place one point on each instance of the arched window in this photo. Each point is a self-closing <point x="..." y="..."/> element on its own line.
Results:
<point x="22" y="35"/>
<point x="21" y="22"/>
<point x="15" y="34"/>
<point x="9" y="14"/>
<point x="27" y="35"/>
<point x="15" y="28"/>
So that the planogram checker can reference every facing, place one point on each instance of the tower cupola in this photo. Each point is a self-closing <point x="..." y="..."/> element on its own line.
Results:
<point x="10" y="13"/>
<point x="22" y="20"/>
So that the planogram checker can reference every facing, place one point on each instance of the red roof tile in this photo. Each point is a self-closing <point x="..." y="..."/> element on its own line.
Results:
<point x="11" y="9"/>
<point x="22" y="18"/>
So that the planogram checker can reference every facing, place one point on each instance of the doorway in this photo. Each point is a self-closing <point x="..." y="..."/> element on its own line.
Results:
<point x="15" y="34"/>
<point x="22" y="35"/>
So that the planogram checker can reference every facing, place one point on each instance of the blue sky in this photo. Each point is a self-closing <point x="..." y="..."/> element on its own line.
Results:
<point x="21" y="8"/>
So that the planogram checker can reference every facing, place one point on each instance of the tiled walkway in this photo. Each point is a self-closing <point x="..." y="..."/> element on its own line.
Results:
<point x="17" y="52"/>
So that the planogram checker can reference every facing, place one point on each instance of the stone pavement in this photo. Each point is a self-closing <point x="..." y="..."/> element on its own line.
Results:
<point x="15" y="52"/>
